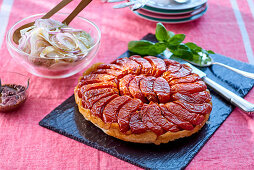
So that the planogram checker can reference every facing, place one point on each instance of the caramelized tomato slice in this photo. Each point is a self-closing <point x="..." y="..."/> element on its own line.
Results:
<point x="99" y="106"/>
<point x="129" y="65"/>
<point x="146" y="67"/>
<point x="154" y="113"/>
<point x="172" y="66"/>
<point x="146" y="87"/>
<point x="94" y="92"/>
<point x="111" y="110"/>
<point x="151" y="125"/>
<point x="198" y="97"/>
<point x="136" y="124"/>
<point x="88" y="104"/>
<point x="98" y="86"/>
<point x="203" y="108"/>
<point x="125" y="113"/>
<point x="188" y="79"/>
<point x="187" y="88"/>
<point x="109" y="66"/>
<point x="124" y="84"/>
<point x="158" y="65"/>
<point x="117" y="73"/>
<point x="174" y="119"/>
<point x="184" y="71"/>
<point x="184" y="114"/>
<point x="135" y="89"/>
<point x="95" y="78"/>
<point x="162" y="89"/>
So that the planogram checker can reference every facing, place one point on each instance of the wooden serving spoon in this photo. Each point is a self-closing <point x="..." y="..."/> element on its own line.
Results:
<point x="58" y="7"/>
<point x="76" y="11"/>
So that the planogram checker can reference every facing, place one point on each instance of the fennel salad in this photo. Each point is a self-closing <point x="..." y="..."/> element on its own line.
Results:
<point x="52" y="44"/>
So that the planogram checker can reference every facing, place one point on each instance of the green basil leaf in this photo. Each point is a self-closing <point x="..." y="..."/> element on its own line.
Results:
<point x="183" y="51"/>
<point x="176" y="39"/>
<point x="140" y="47"/>
<point x="159" y="48"/>
<point x="193" y="47"/>
<point x="174" y="42"/>
<point x="210" y="52"/>
<point x="144" y="47"/>
<point x="139" y="44"/>
<point x="161" y="33"/>
<point x="172" y="47"/>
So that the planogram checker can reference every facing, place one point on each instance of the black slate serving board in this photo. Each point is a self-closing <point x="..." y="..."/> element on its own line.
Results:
<point x="66" y="120"/>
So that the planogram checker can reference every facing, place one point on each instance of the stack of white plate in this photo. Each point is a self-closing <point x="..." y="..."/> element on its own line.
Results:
<point x="169" y="11"/>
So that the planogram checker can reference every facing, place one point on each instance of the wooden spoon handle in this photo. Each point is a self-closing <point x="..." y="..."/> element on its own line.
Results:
<point x="57" y="8"/>
<point x="76" y="11"/>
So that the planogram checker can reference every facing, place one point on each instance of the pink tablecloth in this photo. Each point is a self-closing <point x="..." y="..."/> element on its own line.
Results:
<point x="26" y="145"/>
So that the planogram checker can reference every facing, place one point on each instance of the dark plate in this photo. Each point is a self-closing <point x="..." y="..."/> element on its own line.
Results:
<point x="67" y="120"/>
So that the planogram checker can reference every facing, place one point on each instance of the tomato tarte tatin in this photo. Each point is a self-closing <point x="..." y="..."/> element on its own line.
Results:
<point x="144" y="100"/>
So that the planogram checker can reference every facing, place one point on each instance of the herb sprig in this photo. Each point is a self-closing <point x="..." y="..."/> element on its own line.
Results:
<point x="171" y="41"/>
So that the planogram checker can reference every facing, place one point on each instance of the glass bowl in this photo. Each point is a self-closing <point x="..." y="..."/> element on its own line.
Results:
<point x="40" y="68"/>
<point x="13" y="90"/>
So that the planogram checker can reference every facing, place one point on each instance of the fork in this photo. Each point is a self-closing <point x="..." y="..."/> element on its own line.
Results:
<point x="135" y="5"/>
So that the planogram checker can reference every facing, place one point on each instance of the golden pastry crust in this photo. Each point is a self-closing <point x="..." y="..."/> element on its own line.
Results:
<point x="147" y="137"/>
<point x="113" y="129"/>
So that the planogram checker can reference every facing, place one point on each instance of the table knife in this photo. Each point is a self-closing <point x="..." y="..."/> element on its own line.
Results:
<point x="225" y="93"/>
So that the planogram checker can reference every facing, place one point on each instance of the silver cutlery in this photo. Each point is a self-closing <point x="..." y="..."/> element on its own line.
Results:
<point x="137" y="4"/>
<point x="222" y="91"/>
<point x="181" y="1"/>
<point x="124" y="5"/>
<point x="225" y="93"/>
<point x="243" y="73"/>
<point x="209" y="61"/>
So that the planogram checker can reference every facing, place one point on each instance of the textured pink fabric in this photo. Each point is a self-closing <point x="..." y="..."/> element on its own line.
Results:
<point x="26" y="145"/>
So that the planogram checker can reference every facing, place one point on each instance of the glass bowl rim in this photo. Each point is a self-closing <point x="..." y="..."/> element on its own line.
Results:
<point x="19" y="74"/>
<point x="9" y="36"/>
